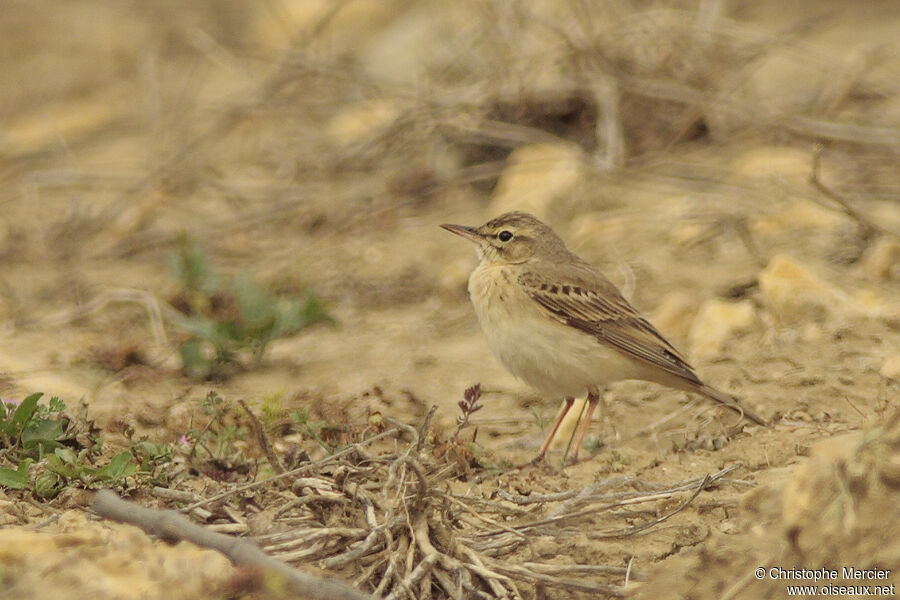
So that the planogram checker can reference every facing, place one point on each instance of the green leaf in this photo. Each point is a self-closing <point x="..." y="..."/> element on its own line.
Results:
<point x="15" y="479"/>
<point x="194" y="360"/>
<point x="314" y="310"/>
<point x="120" y="466"/>
<point x="23" y="413"/>
<point x="191" y="266"/>
<point x="45" y="431"/>
<point x="48" y="484"/>
<point x="199" y="327"/>
<point x="255" y="306"/>
<point x="56" y="405"/>
<point x="64" y="462"/>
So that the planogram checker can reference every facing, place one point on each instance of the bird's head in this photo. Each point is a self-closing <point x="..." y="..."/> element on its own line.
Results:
<point x="512" y="238"/>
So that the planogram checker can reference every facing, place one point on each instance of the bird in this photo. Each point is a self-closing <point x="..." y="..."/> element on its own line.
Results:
<point x="558" y="324"/>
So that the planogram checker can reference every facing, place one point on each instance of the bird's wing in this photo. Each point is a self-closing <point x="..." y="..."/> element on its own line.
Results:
<point x="579" y="296"/>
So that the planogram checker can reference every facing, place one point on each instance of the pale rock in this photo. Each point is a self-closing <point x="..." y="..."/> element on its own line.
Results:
<point x="766" y="162"/>
<point x="688" y="233"/>
<point x="882" y="260"/>
<point x="874" y="303"/>
<point x="536" y="176"/>
<point x="276" y="30"/>
<point x="545" y="546"/>
<point x="891" y="367"/>
<point x="716" y="322"/>
<point x="815" y="479"/>
<point x="18" y="543"/>
<point x="793" y="293"/>
<point x="729" y="528"/>
<point x="675" y="313"/>
<point x="359" y="121"/>
<point x="811" y="332"/>
<point x="800" y="214"/>
<point x="79" y="558"/>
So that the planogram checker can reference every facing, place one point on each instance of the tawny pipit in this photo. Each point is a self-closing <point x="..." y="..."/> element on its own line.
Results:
<point x="562" y="327"/>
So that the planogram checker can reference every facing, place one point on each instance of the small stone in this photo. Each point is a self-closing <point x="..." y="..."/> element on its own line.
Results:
<point x="891" y="367"/>
<point x="545" y="546"/>
<point x="874" y="303"/>
<point x="774" y="161"/>
<point x="360" y="121"/>
<point x="716" y="322"/>
<point x="890" y="471"/>
<point x="793" y="293"/>
<point x="536" y="176"/>
<point x="729" y="528"/>
<point x="689" y="233"/>
<point x="801" y="214"/>
<point x="882" y="260"/>
<point x="675" y="314"/>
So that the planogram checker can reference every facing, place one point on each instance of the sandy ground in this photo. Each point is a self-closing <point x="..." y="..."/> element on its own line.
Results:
<point x="671" y="147"/>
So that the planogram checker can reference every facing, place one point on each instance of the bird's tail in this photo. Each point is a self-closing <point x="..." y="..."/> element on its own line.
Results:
<point x="731" y="402"/>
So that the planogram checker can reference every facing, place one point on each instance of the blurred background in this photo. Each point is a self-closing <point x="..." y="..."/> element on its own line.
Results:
<point x="160" y="160"/>
<point x="245" y="196"/>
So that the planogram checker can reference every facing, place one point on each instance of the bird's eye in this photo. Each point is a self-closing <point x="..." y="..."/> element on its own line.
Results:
<point x="505" y="236"/>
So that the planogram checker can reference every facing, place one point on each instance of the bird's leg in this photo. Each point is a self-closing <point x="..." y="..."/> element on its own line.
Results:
<point x="593" y="399"/>
<point x="559" y="418"/>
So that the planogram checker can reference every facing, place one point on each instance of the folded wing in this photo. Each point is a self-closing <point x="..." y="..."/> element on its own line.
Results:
<point x="581" y="298"/>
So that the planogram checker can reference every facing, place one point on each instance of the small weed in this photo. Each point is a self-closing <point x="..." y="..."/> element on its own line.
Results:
<point x="32" y="429"/>
<point x="151" y="455"/>
<point x="64" y="449"/>
<point x="272" y="407"/>
<point x="468" y="406"/>
<point x="219" y="437"/>
<point x="610" y="461"/>
<point x="228" y="322"/>
<point x="312" y="429"/>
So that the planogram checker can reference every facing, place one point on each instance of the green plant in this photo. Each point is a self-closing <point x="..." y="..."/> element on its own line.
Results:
<point x="272" y="407"/>
<point x="43" y="435"/>
<point x="31" y="429"/>
<point x="219" y="436"/>
<point x="312" y="429"/>
<point x="228" y="322"/>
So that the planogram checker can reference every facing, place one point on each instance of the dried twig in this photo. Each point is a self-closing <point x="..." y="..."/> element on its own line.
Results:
<point x="386" y="520"/>
<point x="299" y="470"/>
<point x="644" y="526"/>
<point x="262" y="439"/>
<point x="846" y="207"/>
<point x="172" y="526"/>
<point x="423" y="429"/>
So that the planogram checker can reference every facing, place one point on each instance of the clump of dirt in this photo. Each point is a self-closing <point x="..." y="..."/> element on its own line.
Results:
<point x="826" y="523"/>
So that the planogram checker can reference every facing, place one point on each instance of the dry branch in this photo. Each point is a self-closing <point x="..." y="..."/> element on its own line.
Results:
<point x="413" y="539"/>
<point x="263" y="441"/>
<point x="172" y="526"/>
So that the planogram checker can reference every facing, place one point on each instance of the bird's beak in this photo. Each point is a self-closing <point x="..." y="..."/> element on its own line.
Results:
<point x="467" y="232"/>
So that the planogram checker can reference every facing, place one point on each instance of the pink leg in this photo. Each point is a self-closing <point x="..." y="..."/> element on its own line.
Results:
<point x="559" y="417"/>
<point x="593" y="400"/>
